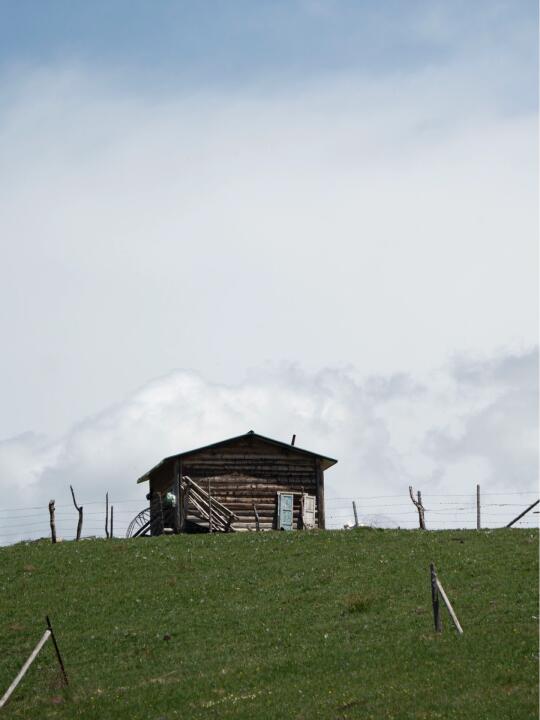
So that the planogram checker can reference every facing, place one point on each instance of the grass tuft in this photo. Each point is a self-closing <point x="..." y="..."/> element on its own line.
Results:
<point x="358" y="603"/>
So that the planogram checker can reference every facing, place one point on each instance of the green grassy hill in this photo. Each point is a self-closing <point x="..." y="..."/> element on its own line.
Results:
<point x="274" y="625"/>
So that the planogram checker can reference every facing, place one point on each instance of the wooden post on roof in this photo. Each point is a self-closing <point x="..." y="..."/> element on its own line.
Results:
<point x="176" y="491"/>
<point x="320" y="494"/>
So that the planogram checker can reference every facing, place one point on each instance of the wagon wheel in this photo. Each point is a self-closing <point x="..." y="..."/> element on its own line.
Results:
<point x="140" y="524"/>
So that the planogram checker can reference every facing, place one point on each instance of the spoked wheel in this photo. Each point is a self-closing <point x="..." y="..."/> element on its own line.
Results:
<point x="140" y="525"/>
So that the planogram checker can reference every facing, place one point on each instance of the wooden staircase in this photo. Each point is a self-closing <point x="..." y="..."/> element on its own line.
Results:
<point x="202" y="508"/>
<point x="200" y="512"/>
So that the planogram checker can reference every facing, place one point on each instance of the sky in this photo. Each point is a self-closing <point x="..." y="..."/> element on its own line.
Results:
<point x="314" y="217"/>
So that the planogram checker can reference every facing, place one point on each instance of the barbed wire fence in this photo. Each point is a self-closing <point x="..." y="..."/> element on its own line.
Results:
<point x="32" y="522"/>
<point x="445" y="511"/>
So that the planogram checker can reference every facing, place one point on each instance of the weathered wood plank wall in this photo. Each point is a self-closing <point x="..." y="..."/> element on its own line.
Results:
<point x="248" y="473"/>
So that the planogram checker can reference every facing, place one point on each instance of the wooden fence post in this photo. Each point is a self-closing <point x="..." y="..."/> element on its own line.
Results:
<point x="33" y="655"/>
<point x="355" y="514"/>
<point x="57" y="649"/>
<point x="52" y="521"/>
<point x="107" y="515"/>
<point x="478" y="524"/>
<point x="257" y="521"/>
<point x="419" y="507"/>
<point x="80" y="511"/>
<point x="435" y="599"/>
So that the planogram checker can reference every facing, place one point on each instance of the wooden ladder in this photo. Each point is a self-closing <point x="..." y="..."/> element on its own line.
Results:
<point x="201" y="504"/>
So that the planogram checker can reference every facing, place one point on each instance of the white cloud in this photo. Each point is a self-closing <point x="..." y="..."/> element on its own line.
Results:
<point x="348" y="221"/>
<point x="443" y="433"/>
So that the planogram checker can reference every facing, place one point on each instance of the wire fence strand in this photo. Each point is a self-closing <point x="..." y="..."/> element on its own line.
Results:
<point x="442" y="511"/>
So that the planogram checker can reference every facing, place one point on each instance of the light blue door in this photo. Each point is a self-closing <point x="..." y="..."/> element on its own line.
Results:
<point x="285" y="511"/>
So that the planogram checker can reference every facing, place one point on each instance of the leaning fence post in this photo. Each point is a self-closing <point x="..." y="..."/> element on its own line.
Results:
<point x="53" y="638"/>
<point x="53" y="523"/>
<point x="33" y="655"/>
<point x="522" y="514"/>
<point x="22" y="672"/>
<point x="435" y="599"/>
<point x="449" y="606"/>
<point x="257" y="522"/>
<point x="355" y="514"/>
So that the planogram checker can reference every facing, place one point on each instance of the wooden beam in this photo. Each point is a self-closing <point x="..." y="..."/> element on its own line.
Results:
<point x="181" y="501"/>
<point x="209" y="508"/>
<point x="449" y="606"/>
<point x="522" y="514"/>
<point x="320" y="494"/>
<point x="156" y="514"/>
<point x="23" y="670"/>
<point x="176" y="491"/>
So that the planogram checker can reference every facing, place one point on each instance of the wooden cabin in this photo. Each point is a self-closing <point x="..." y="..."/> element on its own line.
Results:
<point x="249" y="482"/>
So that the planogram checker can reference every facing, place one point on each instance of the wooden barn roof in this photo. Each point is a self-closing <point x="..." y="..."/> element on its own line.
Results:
<point x="326" y="462"/>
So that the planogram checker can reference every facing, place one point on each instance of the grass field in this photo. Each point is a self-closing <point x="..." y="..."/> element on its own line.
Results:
<point x="274" y="625"/>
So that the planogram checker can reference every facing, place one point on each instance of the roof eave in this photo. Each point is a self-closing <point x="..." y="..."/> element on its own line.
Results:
<point x="326" y="462"/>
